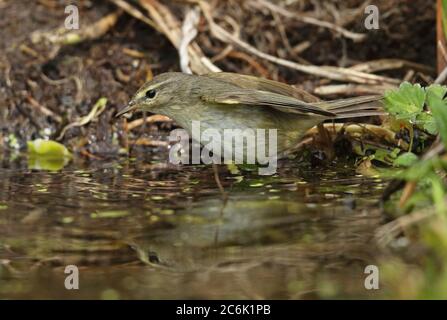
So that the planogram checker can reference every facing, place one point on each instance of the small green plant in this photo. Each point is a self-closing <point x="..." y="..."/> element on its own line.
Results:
<point x="425" y="109"/>
<point x="419" y="111"/>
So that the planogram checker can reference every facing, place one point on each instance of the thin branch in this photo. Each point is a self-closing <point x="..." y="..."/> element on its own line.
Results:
<point x="189" y="32"/>
<point x="357" y="37"/>
<point x="334" y="73"/>
<point x="170" y="27"/>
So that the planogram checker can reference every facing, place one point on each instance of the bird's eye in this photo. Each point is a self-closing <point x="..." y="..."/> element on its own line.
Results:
<point x="150" y="93"/>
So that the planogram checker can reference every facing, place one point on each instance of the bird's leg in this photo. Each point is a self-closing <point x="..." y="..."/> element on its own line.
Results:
<point x="224" y="198"/>
<point x="219" y="183"/>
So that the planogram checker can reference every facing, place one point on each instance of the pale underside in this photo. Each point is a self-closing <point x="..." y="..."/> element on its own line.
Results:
<point x="247" y="120"/>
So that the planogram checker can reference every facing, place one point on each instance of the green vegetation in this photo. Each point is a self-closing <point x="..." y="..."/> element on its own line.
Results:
<point x="425" y="109"/>
<point x="424" y="197"/>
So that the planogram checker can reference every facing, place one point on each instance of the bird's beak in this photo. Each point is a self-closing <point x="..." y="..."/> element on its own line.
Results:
<point x="130" y="107"/>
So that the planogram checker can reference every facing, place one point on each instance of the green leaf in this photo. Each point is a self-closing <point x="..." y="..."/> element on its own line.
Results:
<point x="44" y="163"/>
<point x="437" y="90"/>
<point x="438" y="108"/>
<point x="427" y="122"/>
<point x="405" y="160"/>
<point x="406" y="102"/>
<point x="110" y="214"/>
<point x="422" y="169"/>
<point x="438" y="194"/>
<point x="385" y="156"/>
<point x="48" y="149"/>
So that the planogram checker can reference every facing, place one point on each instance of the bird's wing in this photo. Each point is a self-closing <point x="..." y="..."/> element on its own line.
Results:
<point x="252" y="82"/>
<point x="234" y="95"/>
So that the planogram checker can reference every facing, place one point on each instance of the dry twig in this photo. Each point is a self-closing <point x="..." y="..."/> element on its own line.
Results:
<point x="97" y="109"/>
<point x="309" y="20"/>
<point x="189" y="32"/>
<point x="155" y="118"/>
<point x="44" y="110"/>
<point x="390" y="64"/>
<point x="62" y="37"/>
<point x="351" y="89"/>
<point x="170" y="27"/>
<point x="334" y="73"/>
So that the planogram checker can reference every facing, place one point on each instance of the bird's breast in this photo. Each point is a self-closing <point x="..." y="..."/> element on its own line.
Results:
<point x="264" y="125"/>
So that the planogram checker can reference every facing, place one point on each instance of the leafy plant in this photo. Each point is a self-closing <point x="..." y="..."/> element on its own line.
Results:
<point x="425" y="108"/>
<point x="408" y="102"/>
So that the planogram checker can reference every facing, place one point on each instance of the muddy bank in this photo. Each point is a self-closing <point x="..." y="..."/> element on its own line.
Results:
<point x="45" y="87"/>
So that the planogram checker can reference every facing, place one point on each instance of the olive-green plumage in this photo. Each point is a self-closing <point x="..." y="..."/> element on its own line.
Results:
<point x="233" y="101"/>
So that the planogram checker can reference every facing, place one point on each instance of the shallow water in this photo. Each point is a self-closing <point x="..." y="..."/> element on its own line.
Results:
<point x="146" y="229"/>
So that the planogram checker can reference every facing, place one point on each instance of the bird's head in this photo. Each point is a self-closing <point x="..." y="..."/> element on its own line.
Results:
<point x="161" y="91"/>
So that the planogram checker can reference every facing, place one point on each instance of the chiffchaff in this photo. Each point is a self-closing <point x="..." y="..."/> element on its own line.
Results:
<point x="232" y="101"/>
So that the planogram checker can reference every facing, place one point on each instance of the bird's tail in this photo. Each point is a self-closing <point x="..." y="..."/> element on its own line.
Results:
<point x="354" y="107"/>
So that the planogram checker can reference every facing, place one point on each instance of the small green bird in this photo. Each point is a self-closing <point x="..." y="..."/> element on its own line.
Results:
<point x="232" y="101"/>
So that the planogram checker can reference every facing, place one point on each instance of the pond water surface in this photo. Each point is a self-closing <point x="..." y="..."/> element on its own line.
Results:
<point x="146" y="229"/>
